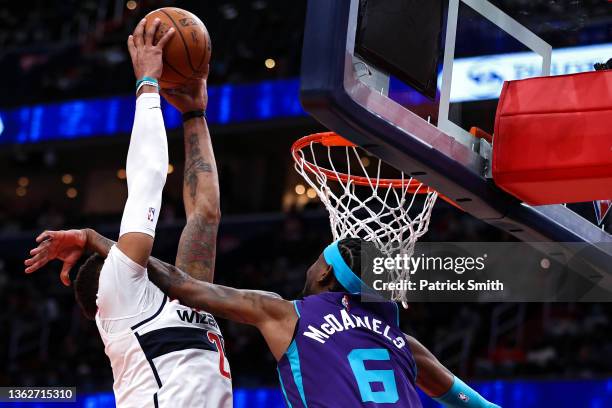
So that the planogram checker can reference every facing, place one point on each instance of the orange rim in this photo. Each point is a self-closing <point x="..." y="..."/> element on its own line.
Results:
<point x="331" y="139"/>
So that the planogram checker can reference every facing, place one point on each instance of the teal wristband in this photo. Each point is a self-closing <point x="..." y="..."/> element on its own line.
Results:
<point x="146" y="81"/>
<point x="461" y="395"/>
<point x="146" y="78"/>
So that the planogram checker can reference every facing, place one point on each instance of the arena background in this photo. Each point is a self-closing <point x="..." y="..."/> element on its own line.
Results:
<point x="66" y="109"/>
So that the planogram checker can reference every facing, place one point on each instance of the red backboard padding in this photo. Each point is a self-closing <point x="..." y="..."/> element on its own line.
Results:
<point x="553" y="138"/>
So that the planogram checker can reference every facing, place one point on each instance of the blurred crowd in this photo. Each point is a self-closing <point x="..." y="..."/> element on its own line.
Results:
<point x="47" y="341"/>
<point x="70" y="49"/>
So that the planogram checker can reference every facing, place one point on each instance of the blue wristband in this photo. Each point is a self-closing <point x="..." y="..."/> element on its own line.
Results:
<point x="461" y="395"/>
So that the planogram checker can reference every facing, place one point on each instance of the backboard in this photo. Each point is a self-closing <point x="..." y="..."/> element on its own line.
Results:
<point x="482" y="44"/>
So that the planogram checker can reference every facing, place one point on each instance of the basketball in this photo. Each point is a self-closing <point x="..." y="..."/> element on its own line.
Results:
<point x="187" y="53"/>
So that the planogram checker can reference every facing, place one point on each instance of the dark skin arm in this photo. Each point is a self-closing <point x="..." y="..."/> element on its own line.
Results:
<point x="432" y="377"/>
<point x="197" y="246"/>
<point x="273" y="316"/>
<point x="68" y="247"/>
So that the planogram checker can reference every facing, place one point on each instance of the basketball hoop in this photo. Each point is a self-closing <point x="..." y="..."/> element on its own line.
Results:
<point x="385" y="211"/>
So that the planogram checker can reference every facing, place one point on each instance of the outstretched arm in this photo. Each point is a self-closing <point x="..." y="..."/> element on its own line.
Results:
<point x="440" y="384"/>
<point x="272" y="315"/>
<point x="147" y="159"/>
<point x="197" y="246"/>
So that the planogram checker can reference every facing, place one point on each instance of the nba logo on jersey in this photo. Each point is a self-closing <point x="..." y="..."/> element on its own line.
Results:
<point x="463" y="397"/>
<point x="151" y="214"/>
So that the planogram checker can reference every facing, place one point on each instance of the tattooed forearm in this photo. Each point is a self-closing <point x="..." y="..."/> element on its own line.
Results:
<point x="165" y="276"/>
<point x="197" y="247"/>
<point x="98" y="243"/>
<point x="243" y="306"/>
<point x="194" y="164"/>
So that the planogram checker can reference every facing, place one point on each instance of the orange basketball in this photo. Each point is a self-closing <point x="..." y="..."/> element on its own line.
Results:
<point x="187" y="53"/>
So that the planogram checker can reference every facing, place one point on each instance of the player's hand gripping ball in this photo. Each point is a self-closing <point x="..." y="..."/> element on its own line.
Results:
<point x="147" y="55"/>
<point x="187" y="53"/>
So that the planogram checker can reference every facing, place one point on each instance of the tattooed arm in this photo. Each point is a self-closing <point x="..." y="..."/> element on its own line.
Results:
<point x="97" y="243"/>
<point x="272" y="315"/>
<point x="197" y="246"/>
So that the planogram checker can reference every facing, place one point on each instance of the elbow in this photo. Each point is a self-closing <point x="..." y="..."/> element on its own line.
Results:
<point x="149" y="174"/>
<point x="158" y="172"/>
<point x="214" y="215"/>
<point x="208" y="214"/>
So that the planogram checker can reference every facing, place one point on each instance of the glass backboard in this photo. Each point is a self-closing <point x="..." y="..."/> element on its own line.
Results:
<point x="482" y="44"/>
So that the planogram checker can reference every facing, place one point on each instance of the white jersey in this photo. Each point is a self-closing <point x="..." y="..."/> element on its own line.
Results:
<point x="163" y="354"/>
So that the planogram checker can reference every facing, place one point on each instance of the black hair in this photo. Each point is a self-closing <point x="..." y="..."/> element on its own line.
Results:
<point x="86" y="285"/>
<point x="355" y="252"/>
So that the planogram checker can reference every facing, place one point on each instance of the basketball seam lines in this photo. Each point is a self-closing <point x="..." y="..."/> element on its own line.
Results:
<point x="183" y="39"/>
<point x="174" y="69"/>
<point x="205" y="50"/>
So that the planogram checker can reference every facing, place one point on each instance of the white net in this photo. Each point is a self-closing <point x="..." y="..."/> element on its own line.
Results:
<point x="391" y="213"/>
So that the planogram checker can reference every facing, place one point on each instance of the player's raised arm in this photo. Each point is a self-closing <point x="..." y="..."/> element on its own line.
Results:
<point x="147" y="160"/>
<point x="197" y="246"/>
<point x="440" y="384"/>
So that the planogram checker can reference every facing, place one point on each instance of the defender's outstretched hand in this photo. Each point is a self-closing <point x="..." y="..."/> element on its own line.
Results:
<point x="193" y="96"/>
<point x="146" y="56"/>
<point x="67" y="246"/>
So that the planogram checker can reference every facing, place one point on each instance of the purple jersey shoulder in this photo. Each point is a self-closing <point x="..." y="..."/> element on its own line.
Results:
<point x="348" y="353"/>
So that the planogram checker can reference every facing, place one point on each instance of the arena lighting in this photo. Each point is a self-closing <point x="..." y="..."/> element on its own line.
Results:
<point x="311" y="193"/>
<point x="23" y="181"/>
<point x="567" y="393"/>
<point x="131" y="5"/>
<point x="121" y="174"/>
<point x="229" y="104"/>
<point x="300" y="189"/>
<point x="270" y="63"/>
<point x="229" y="11"/>
<point x="302" y="201"/>
<point x="21" y="191"/>
<point x="71" y="192"/>
<point x="67" y="178"/>
<point x="170" y="168"/>
<point x="95" y="117"/>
